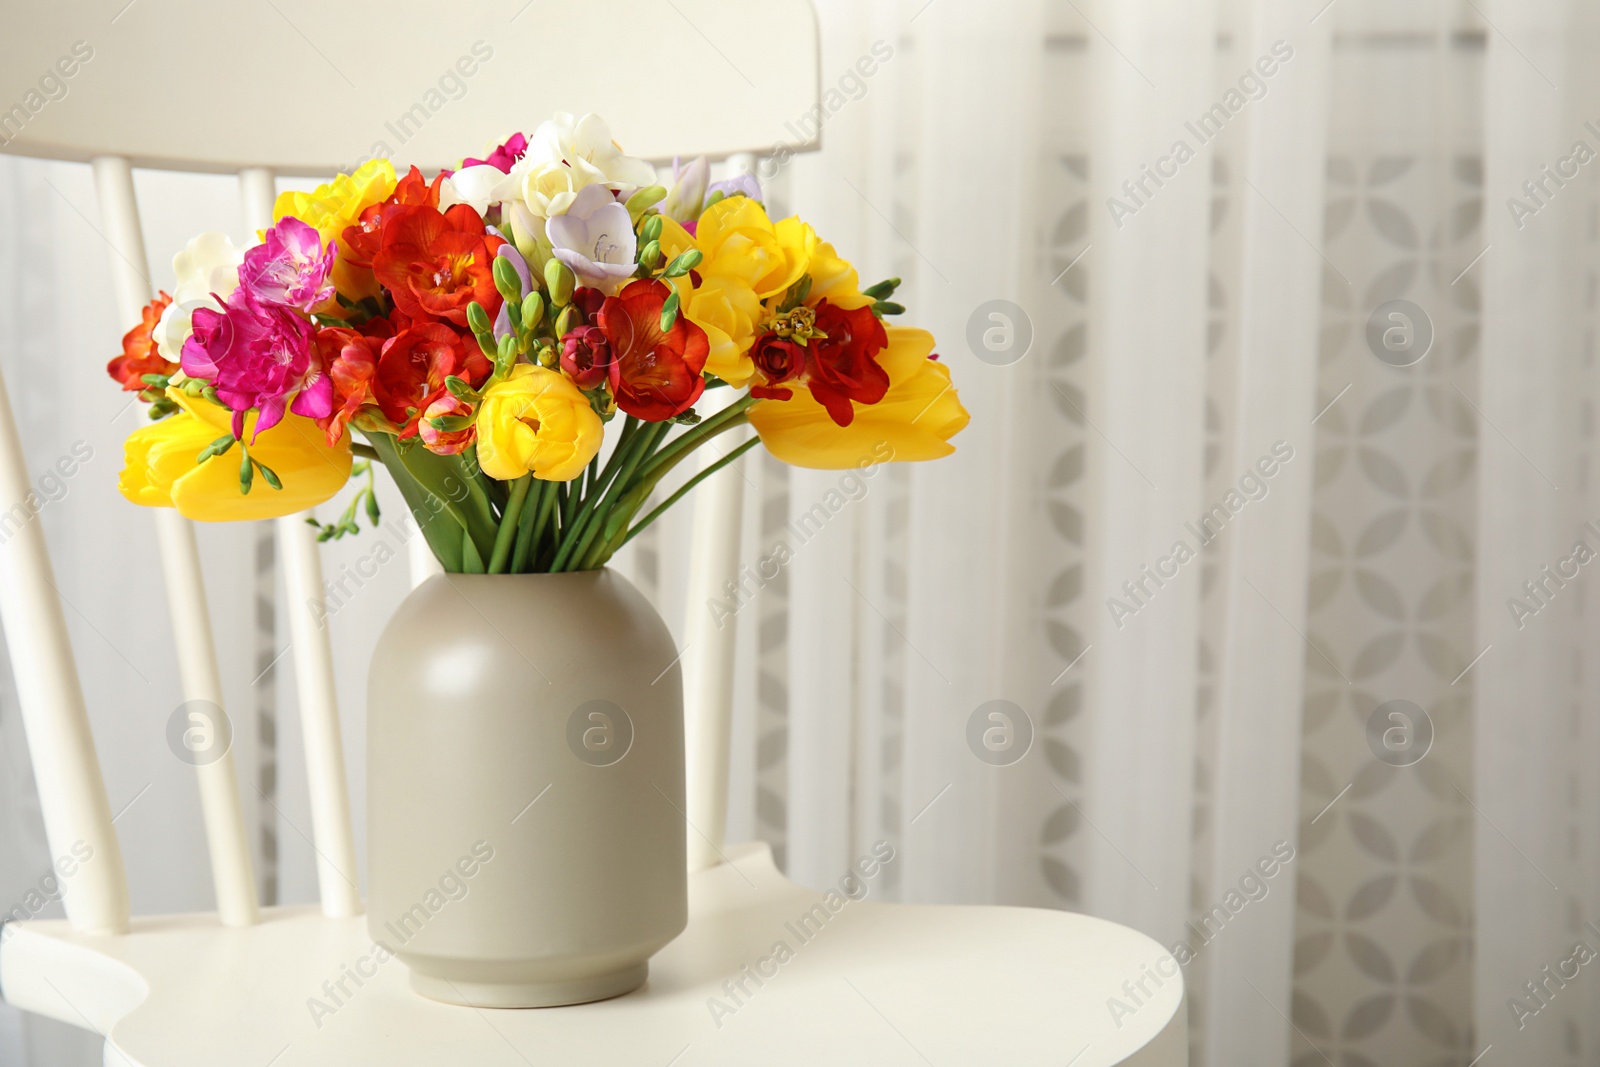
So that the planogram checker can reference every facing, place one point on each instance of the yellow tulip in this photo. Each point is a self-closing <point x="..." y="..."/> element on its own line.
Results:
<point x="332" y="206"/>
<point x="914" y="421"/>
<point x="538" y="421"/>
<point x="833" y="279"/>
<point x="161" y="469"/>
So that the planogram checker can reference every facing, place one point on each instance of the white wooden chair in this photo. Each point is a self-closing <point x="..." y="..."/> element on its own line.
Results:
<point x="200" y="86"/>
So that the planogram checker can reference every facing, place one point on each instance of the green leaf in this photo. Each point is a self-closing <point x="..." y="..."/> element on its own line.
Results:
<point x="471" y="561"/>
<point x="422" y="479"/>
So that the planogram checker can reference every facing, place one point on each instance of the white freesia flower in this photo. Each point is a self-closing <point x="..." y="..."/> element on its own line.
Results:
<point x="595" y="239"/>
<point x="208" y="265"/>
<point x="585" y="145"/>
<point x="478" y="187"/>
<point x="564" y="156"/>
<point x="688" y="193"/>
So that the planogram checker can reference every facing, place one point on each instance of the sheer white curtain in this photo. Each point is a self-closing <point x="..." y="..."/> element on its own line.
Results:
<point x="1182" y="358"/>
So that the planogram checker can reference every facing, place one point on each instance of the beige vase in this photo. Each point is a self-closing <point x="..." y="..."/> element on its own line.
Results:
<point x="525" y="796"/>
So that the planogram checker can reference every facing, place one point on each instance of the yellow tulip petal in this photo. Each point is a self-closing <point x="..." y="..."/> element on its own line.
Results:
<point x="833" y="279"/>
<point x="161" y="470"/>
<point x="914" y="421"/>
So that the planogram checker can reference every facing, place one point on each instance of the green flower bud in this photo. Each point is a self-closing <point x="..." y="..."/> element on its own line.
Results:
<point x="532" y="311"/>
<point x="559" y="280"/>
<point x="650" y="255"/>
<point x="269" y="474"/>
<point x="478" y="321"/>
<point x="651" y="230"/>
<point x="506" y="280"/>
<point x="683" y="264"/>
<point x="461" y="390"/>
<point x="883" y="289"/>
<point x="644" y="199"/>
<point x="567" y="320"/>
<point x="548" y="357"/>
<point x="215" y="448"/>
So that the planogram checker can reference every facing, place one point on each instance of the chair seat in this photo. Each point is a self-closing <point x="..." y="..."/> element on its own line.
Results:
<point x="879" y="984"/>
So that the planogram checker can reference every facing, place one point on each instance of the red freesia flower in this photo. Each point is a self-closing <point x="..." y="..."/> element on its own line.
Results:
<point x="412" y="367"/>
<point x="586" y="356"/>
<point x="655" y="373"/>
<point x="350" y="358"/>
<point x="139" y="353"/>
<point x="435" y="264"/>
<point x="361" y="242"/>
<point x="588" y="302"/>
<point x="844" y="366"/>
<point x="778" y="360"/>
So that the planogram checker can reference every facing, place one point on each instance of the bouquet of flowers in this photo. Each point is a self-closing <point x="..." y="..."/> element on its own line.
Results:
<point x="481" y="330"/>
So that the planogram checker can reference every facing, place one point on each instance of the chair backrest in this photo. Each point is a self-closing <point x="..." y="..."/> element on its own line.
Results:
<point x="302" y="89"/>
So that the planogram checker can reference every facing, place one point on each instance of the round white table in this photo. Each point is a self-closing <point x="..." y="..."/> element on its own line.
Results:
<point x="873" y="984"/>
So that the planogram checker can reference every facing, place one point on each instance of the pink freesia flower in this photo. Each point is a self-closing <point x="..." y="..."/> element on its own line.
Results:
<point x="290" y="268"/>
<point x="258" y="356"/>
<point x="503" y="156"/>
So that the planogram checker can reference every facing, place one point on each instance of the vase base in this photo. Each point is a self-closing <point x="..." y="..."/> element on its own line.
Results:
<point x="549" y="994"/>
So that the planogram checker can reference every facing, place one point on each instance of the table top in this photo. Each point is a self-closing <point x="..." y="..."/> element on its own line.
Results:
<point x="878" y="983"/>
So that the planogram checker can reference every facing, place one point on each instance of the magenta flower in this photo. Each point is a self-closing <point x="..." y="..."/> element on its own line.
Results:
<point x="290" y="268"/>
<point x="258" y="356"/>
<point x="503" y="156"/>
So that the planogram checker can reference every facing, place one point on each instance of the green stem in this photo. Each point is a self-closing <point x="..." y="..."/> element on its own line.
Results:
<point x="364" y="451"/>
<point x="576" y="543"/>
<point x="675" y="497"/>
<point x="658" y="469"/>
<point x="505" y="536"/>
<point x="546" y="511"/>
<point x="616" y="510"/>
<point x="526" y="521"/>
<point x="732" y="415"/>
<point x="569" y="503"/>
<point x="629" y="429"/>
